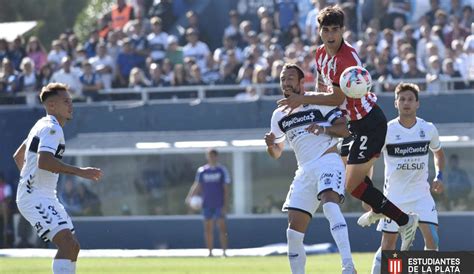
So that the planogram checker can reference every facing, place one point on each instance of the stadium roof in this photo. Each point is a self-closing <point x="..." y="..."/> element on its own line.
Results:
<point x="11" y="30"/>
<point x="171" y="142"/>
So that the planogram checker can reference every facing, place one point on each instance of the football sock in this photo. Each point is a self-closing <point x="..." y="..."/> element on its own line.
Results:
<point x="338" y="227"/>
<point x="296" y="252"/>
<point x="63" y="266"/>
<point x="376" y="265"/>
<point x="379" y="203"/>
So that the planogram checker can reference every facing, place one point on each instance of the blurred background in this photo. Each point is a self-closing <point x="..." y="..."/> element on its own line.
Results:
<point x="155" y="83"/>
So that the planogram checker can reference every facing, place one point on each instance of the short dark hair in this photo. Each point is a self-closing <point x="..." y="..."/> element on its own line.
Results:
<point x="294" y="66"/>
<point x="407" y="87"/>
<point x="212" y="151"/>
<point x="331" y="15"/>
<point x="51" y="89"/>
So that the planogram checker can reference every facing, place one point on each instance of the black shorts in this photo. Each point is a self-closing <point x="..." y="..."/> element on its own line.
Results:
<point x="369" y="136"/>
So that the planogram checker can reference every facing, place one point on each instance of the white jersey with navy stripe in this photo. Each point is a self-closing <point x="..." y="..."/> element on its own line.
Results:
<point x="406" y="160"/>
<point x="46" y="135"/>
<point x="307" y="146"/>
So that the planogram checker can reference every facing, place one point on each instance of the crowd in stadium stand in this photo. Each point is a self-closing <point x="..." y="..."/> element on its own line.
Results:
<point x="131" y="48"/>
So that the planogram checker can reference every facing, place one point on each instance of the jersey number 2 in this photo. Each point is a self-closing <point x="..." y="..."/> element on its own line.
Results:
<point x="363" y="141"/>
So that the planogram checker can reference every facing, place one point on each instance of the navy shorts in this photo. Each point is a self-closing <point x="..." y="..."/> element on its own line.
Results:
<point x="212" y="213"/>
<point x="369" y="136"/>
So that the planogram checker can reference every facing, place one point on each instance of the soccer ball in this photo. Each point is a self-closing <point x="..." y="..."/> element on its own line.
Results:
<point x="355" y="82"/>
<point x="195" y="202"/>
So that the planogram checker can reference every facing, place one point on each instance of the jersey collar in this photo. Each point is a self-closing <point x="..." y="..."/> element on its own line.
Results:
<point x="53" y="118"/>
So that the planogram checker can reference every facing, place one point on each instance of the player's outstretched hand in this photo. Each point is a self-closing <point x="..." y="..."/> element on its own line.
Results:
<point x="291" y="102"/>
<point x="315" y="129"/>
<point x="270" y="139"/>
<point x="91" y="173"/>
<point x="437" y="186"/>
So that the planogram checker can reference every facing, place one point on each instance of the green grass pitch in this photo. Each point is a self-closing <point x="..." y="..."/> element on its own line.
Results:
<point x="329" y="264"/>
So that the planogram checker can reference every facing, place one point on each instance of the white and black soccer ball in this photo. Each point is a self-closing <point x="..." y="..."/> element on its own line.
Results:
<point x="195" y="202"/>
<point x="355" y="82"/>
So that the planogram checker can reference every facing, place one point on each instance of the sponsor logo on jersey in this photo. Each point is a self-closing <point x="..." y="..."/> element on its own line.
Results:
<point x="408" y="149"/>
<point x="299" y="119"/>
<point x="422" y="133"/>
<point x="410" y="166"/>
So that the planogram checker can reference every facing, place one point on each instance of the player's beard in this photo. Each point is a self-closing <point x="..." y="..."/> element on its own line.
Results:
<point x="293" y="91"/>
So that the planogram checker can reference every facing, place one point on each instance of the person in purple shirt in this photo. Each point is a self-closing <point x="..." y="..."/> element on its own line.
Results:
<point x="212" y="184"/>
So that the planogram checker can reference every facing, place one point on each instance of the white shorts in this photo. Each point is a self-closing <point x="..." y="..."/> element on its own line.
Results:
<point x="326" y="173"/>
<point x="46" y="215"/>
<point x="425" y="207"/>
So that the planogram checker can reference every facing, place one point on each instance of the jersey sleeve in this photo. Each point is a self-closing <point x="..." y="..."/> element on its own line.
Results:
<point x="332" y="114"/>
<point x="435" y="143"/>
<point x="275" y="128"/>
<point x="197" y="178"/>
<point x="226" y="175"/>
<point x="50" y="138"/>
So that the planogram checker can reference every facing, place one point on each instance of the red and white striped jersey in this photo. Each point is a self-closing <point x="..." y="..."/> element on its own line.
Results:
<point x="330" y="69"/>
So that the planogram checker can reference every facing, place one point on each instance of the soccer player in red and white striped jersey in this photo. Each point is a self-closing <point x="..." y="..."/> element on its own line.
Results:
<point x="367" y="122"/>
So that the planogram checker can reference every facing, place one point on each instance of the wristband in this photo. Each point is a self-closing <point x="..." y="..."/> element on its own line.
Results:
<point x="439" y="176"/>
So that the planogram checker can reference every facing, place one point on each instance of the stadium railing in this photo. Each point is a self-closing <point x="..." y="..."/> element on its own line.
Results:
<point x="212" y="93"/>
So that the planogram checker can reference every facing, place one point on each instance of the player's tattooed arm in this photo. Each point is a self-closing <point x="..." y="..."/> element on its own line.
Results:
<point x="19" y="156"/>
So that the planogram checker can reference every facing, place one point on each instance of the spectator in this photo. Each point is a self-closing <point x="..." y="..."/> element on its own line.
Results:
<point x="458" y="184"/>
<point x="104" y="65"/>
<point x="229" y="45"/>
<point x="467" y="18"/>
<point x="174" y="52"/>
<point x="434" y="81"/>
<point x="70" y="76"/>
<point x="139" y="40"/>
<point x="311" y="25"/>
<point x="113" y="47"/>
<point x="193" y="23"/>
<point x="195" y="48"/>
<point x="291" y="34"/>
<point x="244" y="77"/>
<point x="211" y="75"/>
<point x="286" y="11"/>
<point x="44" y="76"/>
<point x="121" y="13"/>
<point x="3" y="49"/>
<point x="179" y="76"/>
<point x="195" y="78"/>
<point x="127" y="60"/>
<point x="268" y="29"/>
<point x="56" y="54"/>
<point x="227" y="76"/>
<point x="17" y="52"/>
<point x="157" y="41"/>
<point x="156" y="78"/>
<point x="167" y="70"/>
<point x="6" y="227"/>
<point x="27" y="80"/>
<point x="91" y="45"/>
<point x="164" y="10"/>
<point x="245" y="28"/>
<point x="137" y="79"/>
<point x="79" y="57"/>
<point x="90" y="81"/>
<point x="431" y="14"/>
<point x="90" y="203"/>
<point x="232" y="30"/>
<point x="9" y="78"/>
<point x="413" y="71"/>
<point x="69" y="198"/>
<point x="397" y="9"/>
<point x="449" y="73"/>
<point x="35" y="50"/>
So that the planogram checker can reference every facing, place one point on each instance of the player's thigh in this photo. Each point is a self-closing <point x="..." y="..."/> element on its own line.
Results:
<point x="46" y="215"/>
<point x="298" y="220"/>
<point x="330" y="174"/>
<point x="302" y="195"/>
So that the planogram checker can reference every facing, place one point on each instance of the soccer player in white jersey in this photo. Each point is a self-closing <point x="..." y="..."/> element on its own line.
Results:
<point x="408" y="141"/>
<point x="367" y="123"/>
<point x="39" y="159"/>
<point x="311" y="131"/>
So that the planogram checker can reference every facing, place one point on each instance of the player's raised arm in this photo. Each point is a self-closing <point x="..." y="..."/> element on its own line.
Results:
<point x="47" y="161"/>
<point x="19" y="156"/>
<point x="334" y="98"/>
